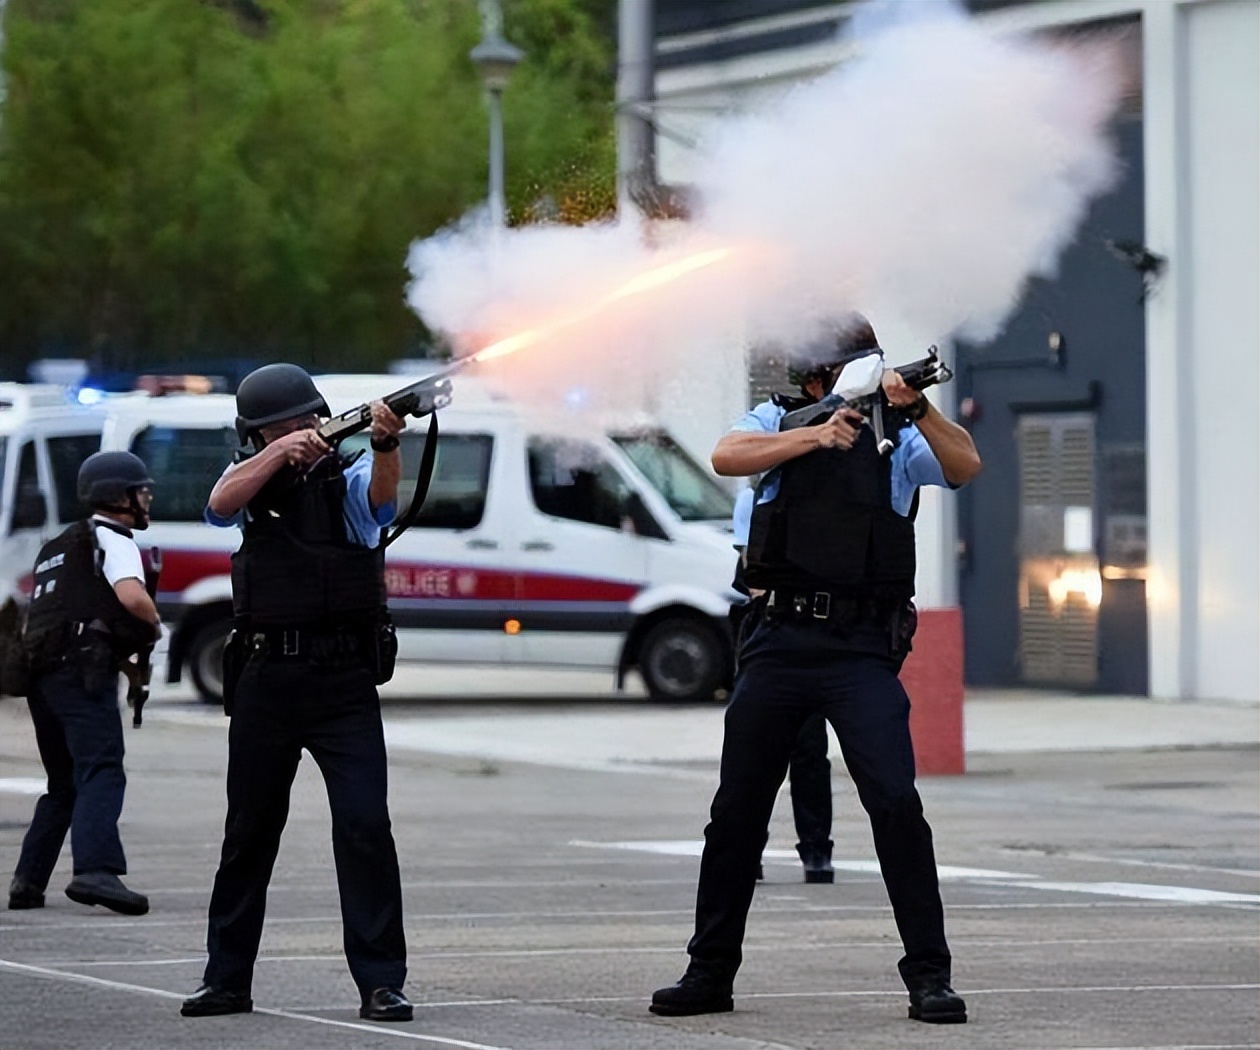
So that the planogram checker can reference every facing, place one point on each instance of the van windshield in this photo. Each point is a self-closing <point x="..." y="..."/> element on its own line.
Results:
<point x="687" y="488"/>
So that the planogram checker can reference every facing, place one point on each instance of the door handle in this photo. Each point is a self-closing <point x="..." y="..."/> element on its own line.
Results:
<point x="482" y="545"/>
<point x="538" y="545"/>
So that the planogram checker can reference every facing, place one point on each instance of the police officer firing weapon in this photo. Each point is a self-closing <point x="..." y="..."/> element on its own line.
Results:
<point x="311" y="641"/>
<point x="90" y="613"/>
<point x="831" y="547"/>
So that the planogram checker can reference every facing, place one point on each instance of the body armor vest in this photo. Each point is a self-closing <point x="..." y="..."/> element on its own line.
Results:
<point x="832" y="527"/>
<point x="71" y="593"/>
<point x="297" y="564"/>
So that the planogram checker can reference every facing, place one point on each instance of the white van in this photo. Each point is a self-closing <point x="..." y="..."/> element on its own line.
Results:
<point x="534" y="547"/>
<point x="44" y="436"/>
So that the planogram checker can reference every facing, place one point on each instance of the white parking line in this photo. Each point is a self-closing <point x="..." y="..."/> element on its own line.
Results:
<point x="982" y="876"/>
<point x="23" y="785"/>
<point x="1020" y="943"/>
<point x="98" y="982"/>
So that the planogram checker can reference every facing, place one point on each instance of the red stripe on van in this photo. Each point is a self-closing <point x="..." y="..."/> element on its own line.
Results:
<point x="468" y="583"/>
<point x="182" y="568"/>
<point x="548" y="588"/>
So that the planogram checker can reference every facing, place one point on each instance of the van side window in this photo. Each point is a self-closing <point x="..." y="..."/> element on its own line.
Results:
<point x="461" y="473"/>
<point x="30" y="510"/>
<point x="66" y="454"/>
<point x="184" y="464"/>
<point x="572" y="479"/>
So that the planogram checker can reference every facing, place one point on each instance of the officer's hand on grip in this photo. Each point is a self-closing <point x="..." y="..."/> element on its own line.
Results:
<point x="841" y="430"/>
<point x="385" y="425"/>
<point x="302" y="448"/>
<point x="899" y="393"/>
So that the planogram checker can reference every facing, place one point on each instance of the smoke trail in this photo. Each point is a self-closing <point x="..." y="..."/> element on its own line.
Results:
<point x="924" y="181"/>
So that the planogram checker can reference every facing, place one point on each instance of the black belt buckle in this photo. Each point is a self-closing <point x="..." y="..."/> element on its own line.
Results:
<point x="822" y="605"/>
<point x="289" y="642"/>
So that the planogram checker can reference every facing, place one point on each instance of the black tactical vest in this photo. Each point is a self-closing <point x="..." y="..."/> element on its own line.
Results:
<point x="71" y="593"/>
<point x="297" y="565"/>
<point x="832" y="527"/>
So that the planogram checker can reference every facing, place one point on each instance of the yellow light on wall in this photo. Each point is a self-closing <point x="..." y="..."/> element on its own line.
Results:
<point x="511" y="626"/>
<point x="1085" y="582"/>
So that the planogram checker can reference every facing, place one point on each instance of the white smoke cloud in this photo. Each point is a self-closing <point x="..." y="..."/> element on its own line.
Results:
<point x="925" y="180"/>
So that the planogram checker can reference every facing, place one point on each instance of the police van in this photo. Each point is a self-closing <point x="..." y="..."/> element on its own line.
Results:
<point x="44" y="436"/>
<point x="538" y="544"/>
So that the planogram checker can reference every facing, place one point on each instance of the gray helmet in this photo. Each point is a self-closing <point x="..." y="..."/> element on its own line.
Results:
<point x="109" y="478"/>
<point x="845" y="341"/>
<point x="274" y="393"/>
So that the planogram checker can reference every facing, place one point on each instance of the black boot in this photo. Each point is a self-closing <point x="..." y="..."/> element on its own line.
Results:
<point x="817" y="862"/>
<point x="107" y="890"/>
<point x="695" y="993"/>
<point x="208" y="1001"/>
<point x="386" y="1004"/>
<point x="23" y="895"/>
<point x="933" y="1001"/>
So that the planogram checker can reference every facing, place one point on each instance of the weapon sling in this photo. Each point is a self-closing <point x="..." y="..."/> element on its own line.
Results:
<point x="423" y="477"/>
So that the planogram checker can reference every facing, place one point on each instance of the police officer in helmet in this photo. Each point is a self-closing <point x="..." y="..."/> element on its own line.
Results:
<point x="311" y="642"/>
<point x="832" y="546"/>
<point x="89" y="613"/>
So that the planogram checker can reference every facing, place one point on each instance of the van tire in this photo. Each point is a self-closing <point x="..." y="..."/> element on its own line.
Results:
<point x="681" y="659"/>
<point x="205" y="660"/>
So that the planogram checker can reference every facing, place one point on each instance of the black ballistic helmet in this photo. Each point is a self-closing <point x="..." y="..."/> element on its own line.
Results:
<point x="844" y="342"/>
<point x="274" y="393"/>
<point x="110" y="478"/>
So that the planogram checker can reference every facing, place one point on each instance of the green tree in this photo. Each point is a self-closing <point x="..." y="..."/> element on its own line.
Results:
<point x="241" y="177"/>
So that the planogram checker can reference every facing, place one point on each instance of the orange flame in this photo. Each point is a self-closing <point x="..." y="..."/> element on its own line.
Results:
<point x="645" y="282"/>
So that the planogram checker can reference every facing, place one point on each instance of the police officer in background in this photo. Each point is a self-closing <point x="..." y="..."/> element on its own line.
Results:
<point x="311" y="642"/>
<point x="89" y="613"/>
<point x="832" y="546"/>
<point x="809" y="769"/>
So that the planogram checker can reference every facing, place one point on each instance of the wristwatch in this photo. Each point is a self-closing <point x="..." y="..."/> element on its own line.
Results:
<point x="385" y="444"/>
<point x="917" y="410"/>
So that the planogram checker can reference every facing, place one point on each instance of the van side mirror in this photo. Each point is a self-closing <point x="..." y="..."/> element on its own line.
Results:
<point x="30" y="509"/>
<point x="641" y="518"/>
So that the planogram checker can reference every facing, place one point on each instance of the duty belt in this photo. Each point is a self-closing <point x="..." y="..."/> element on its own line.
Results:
<point x="827" y="607"/>
<point x="305" y="642"/>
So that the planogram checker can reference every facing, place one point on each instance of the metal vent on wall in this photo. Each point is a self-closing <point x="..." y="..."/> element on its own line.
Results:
<point x="1060" y="585"/>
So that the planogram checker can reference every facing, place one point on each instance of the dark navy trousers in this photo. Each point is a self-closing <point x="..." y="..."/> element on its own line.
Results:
<point x="809" y="782"/>
<point x="80" y="739"/>
<point x="281" y="707"/>
<point x="788" y="672"/>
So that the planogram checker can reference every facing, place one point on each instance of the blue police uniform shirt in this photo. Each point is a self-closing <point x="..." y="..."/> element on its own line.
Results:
<point x="913" y="463"/>
<point x="741" y="520"/>
<point x="363" y="525"/>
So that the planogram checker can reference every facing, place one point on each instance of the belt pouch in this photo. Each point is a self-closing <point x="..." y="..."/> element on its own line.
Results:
<point x="235" y="655"/>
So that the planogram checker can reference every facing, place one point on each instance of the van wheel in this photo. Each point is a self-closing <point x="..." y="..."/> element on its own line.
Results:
<point x="205" y="660"/>
<point x="681" y="659"/>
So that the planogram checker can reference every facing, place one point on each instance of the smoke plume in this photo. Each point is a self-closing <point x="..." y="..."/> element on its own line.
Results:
<point x="921" y="182"/>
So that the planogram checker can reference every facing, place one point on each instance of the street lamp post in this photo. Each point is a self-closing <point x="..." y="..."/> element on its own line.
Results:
<point x="495" y="59"/>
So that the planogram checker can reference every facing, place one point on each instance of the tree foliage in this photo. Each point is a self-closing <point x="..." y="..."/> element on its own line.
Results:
<point x="244" y="176"/>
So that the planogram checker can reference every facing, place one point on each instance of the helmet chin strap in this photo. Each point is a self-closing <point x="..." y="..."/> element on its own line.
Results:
<point x="139" y="516"/>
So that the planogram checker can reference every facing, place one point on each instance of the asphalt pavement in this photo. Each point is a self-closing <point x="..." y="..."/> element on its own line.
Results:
<point x="1099" y="863"/>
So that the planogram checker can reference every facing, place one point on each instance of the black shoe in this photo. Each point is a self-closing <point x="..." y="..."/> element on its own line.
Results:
<point x="693" y="994"/>
<point x="935" y="1002"/>
<point x="208" y="1001"/>
<point x="23" y="895"/>
<point x="819" y="869"/>
<point x="386" y="1004"/>
<point x="100" y="887"/>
